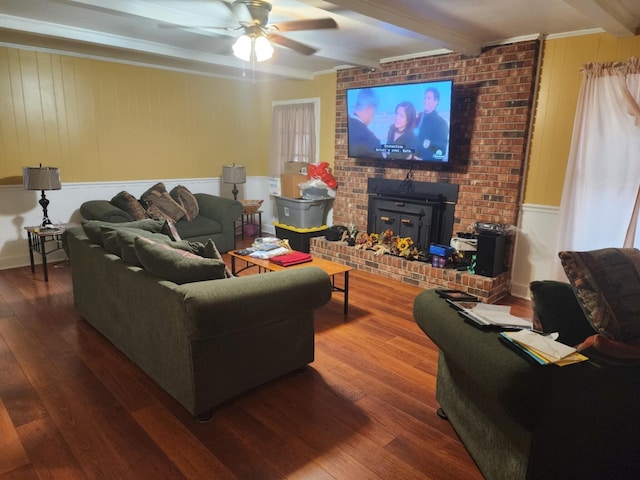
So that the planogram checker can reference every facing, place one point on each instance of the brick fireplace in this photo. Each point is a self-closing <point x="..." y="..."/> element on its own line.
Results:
<point x="421" y="210"/>
<point x="490" y="121"/>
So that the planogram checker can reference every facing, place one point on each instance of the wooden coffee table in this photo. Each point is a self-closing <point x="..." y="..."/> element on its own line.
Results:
<point x="329" y="267"/>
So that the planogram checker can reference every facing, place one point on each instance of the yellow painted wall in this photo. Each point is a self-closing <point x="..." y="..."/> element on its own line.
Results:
<point x="559" y="87"/>
<point x="104" y="121"/>
<point x="323" y="87"/>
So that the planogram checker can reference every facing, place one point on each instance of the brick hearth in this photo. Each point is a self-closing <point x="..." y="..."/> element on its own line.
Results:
<point x="420" y="274"/>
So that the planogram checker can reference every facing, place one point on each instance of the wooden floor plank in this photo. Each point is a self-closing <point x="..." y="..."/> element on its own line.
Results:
<point x="12" y="454"/>
<point x="187" y="453"/>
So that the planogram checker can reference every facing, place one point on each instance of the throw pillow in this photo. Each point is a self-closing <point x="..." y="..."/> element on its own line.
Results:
<point x="176" y="265"/>
<point x="110" y="240"/>
<point x="169" y="228"/>
<point x="607" y="285"/>
<point x="604" y="350"/>
<point x="192" y="247"/>
<point x="556" y="309"/>
<point x="186" y="200"/>
<point x="126" y="241"/>
<point x="211" y="251"/>
<point x="92" y="228"/>
<point x="130" y="204"/>
<point x="160" y="205"/>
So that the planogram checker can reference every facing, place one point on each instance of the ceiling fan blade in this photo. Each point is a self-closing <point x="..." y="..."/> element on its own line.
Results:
<point x="311" y="24"/>
<point x="292" y="44"/>
<point x="170" y="26"/>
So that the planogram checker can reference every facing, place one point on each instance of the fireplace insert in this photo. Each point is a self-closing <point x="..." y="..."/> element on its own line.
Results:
<point x="423" y="211"/>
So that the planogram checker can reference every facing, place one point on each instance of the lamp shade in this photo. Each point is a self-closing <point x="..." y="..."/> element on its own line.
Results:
<point x="263" y="49"/>
<point x="41" y="178"/>
<point x="242" y="47"/>
<point x="234" y="174"/>
<point x="253" y="47"/>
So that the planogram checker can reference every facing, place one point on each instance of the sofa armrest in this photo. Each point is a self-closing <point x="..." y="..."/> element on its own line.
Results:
<point x="481" y="360"/>
<point x="105" y="211"/>
<point x="221" y="307"/>
<point x="224" y="211"/>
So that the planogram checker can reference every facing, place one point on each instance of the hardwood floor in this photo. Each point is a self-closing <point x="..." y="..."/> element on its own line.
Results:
<point x="73" y="407"/>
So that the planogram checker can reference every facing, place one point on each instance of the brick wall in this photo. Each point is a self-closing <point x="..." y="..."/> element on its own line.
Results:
<point x="493" y="97"/>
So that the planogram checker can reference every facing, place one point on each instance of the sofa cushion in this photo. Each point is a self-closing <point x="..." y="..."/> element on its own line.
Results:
<point x="186" y="200"/>
<point x="125" y="237"/>
<point x="92" y="228"/>
<point x="607" y="285"/>
<point x="198" y="227"/>
<point x="159" y="203"/>
<point x="178" y="266"/>
<point x="130" y="204"/>
<point x="556" y="309"/>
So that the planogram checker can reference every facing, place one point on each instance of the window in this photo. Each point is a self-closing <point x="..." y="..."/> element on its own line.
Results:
<point x="294" y="132"/>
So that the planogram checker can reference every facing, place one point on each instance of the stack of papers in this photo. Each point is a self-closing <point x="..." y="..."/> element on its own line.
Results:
<point x="265" y="254"/>
<point x="488" y="315"/>
<point x="544" y="349"/>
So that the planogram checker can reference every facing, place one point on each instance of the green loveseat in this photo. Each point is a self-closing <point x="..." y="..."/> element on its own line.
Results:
<point x="520" y="420"/>
<point x="203" y="342"/>
<point x="216" y="219"/>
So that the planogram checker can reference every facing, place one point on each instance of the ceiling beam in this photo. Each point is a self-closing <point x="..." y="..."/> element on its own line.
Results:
<point x="47" y="29"/>
<point x="389" y="13"/>
<point x="610" y="15"/>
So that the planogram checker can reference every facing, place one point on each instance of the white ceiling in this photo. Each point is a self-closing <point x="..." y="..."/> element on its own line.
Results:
<point x="369" y="31"/>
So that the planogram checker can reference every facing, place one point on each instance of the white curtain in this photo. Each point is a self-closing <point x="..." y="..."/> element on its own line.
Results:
<point x="601" y="194"/>
<point x="293" y="136"/>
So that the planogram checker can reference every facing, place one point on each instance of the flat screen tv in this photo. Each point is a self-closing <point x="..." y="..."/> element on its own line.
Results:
<point x="400" y="122"/>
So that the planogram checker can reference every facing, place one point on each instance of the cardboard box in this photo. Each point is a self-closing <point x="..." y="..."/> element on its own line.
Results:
<point x="300" y="168"/>
<point x="289" y="185"/>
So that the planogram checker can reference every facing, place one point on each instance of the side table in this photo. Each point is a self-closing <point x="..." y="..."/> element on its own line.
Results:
<point x="38" y="238"/>
<point x="250" y="219"/>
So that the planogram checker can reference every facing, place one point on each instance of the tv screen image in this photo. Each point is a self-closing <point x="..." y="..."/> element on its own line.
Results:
<point x="400" y="122"/>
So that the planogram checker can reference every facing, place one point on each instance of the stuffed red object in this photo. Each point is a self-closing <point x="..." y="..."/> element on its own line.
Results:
<point x="292" y="258"/>
<point x="321" y="172"/>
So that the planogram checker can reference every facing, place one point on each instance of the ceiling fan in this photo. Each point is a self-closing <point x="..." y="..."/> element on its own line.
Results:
<point x="258" y="34"/>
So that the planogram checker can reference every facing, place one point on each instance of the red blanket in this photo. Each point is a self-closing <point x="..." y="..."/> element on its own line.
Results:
<point x="292" y="258"/>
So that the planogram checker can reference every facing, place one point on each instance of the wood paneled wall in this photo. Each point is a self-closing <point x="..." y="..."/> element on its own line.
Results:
<point x="559" y="86"/>
<point x="105" y="121"/>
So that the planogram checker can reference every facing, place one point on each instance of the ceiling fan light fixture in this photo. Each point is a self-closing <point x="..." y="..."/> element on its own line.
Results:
<point x="263" y="49"/>
<point x="242" y="47"/>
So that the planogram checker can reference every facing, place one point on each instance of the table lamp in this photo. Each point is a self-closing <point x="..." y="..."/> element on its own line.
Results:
<point x="42" y="178"/>
<point x="234" y="174"/>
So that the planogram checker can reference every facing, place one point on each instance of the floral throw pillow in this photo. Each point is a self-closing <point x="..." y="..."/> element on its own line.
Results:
<point x="607" y="285"/>
<point x="186" y="200"/>
<point x="130" y="204"/>
<point x="159" y="203"/>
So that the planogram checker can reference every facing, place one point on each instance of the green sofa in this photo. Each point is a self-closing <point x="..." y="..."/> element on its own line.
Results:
<point x="203" y="342"/>
<point x="520" y="420"/>
<point x="216" y="219"/>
